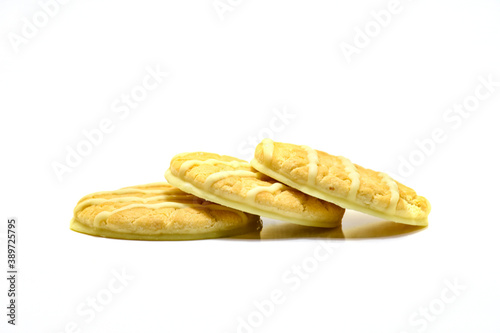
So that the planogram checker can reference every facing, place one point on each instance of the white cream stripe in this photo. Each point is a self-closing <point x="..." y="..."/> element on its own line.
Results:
<point x="97" y="201"/>
<point x="186" y="165"/>
<point x="252" y="194"/>
<point x="105" y="215"/>
<point x="353" y="175"/>
<point x="129" y="190"/>
<point x="313" y="161"/>
<point x="267" y="150"/>
<point x="215" y="177"/>
<point x="393" y="186"/>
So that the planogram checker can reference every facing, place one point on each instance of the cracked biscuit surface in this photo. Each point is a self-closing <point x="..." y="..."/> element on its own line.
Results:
<point x="336" y="179"/>
<point x="158" y="211"/>
<point x="234" y="183"/>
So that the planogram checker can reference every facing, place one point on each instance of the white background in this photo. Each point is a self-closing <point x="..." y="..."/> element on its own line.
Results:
<point x="227" y="79"/>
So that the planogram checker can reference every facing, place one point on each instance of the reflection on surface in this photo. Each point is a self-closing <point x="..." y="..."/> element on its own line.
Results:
<point x="354" y="226"/>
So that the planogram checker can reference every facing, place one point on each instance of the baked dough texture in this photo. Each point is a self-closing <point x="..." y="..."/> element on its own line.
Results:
<point x="158" y="211"/>
<point x="336" y="179"/>
<point x="234" y="183"/>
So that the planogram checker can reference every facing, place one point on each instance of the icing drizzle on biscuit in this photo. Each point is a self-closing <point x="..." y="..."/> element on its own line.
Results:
<point x="216" y="176"/>
<point x="393" y="187"/>
<point x="102" y="216"/>
<point x="185" y="166"/>
<point x="97" y="201"/>
<point x="170" y="197"/>
<point x="312" y="165"/>
<point x="267" y="150"/>
<point x="353" y="175"/>
<point x="252" y="194"/>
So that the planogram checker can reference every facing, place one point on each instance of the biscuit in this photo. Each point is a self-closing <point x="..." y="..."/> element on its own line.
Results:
<point x="157" y="211"/>
<point x="336" y="179"/>
<point x="234" y="183"/>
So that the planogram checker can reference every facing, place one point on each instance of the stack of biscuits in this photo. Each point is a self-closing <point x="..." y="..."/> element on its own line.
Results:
<point x="208" y="195"/>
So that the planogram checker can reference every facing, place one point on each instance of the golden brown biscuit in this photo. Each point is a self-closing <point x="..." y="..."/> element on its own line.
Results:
<point x="234" y="183"/>
<point x="158" y="211"/>
<point x="336" y="179"/>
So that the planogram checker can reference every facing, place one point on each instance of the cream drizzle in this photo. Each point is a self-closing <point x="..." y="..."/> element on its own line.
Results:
<point x="393" y="187"/>
<point x="106" y="214"/>
<point x="97" y="201"/>
<point x="170" y="193"/>
<point x="312" y="165"/>
<point x="252" y="194"/>
<point x="353" y="175"/>
<point x="215" y="177"/>
<point x="186" y="165"/>
<point x="267" y="150"/>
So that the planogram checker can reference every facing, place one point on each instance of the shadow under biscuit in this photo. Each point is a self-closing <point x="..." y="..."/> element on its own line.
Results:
<point x="355" y="226"/>
<point x="274" y="230"/>
<point x="381" y="229"/>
